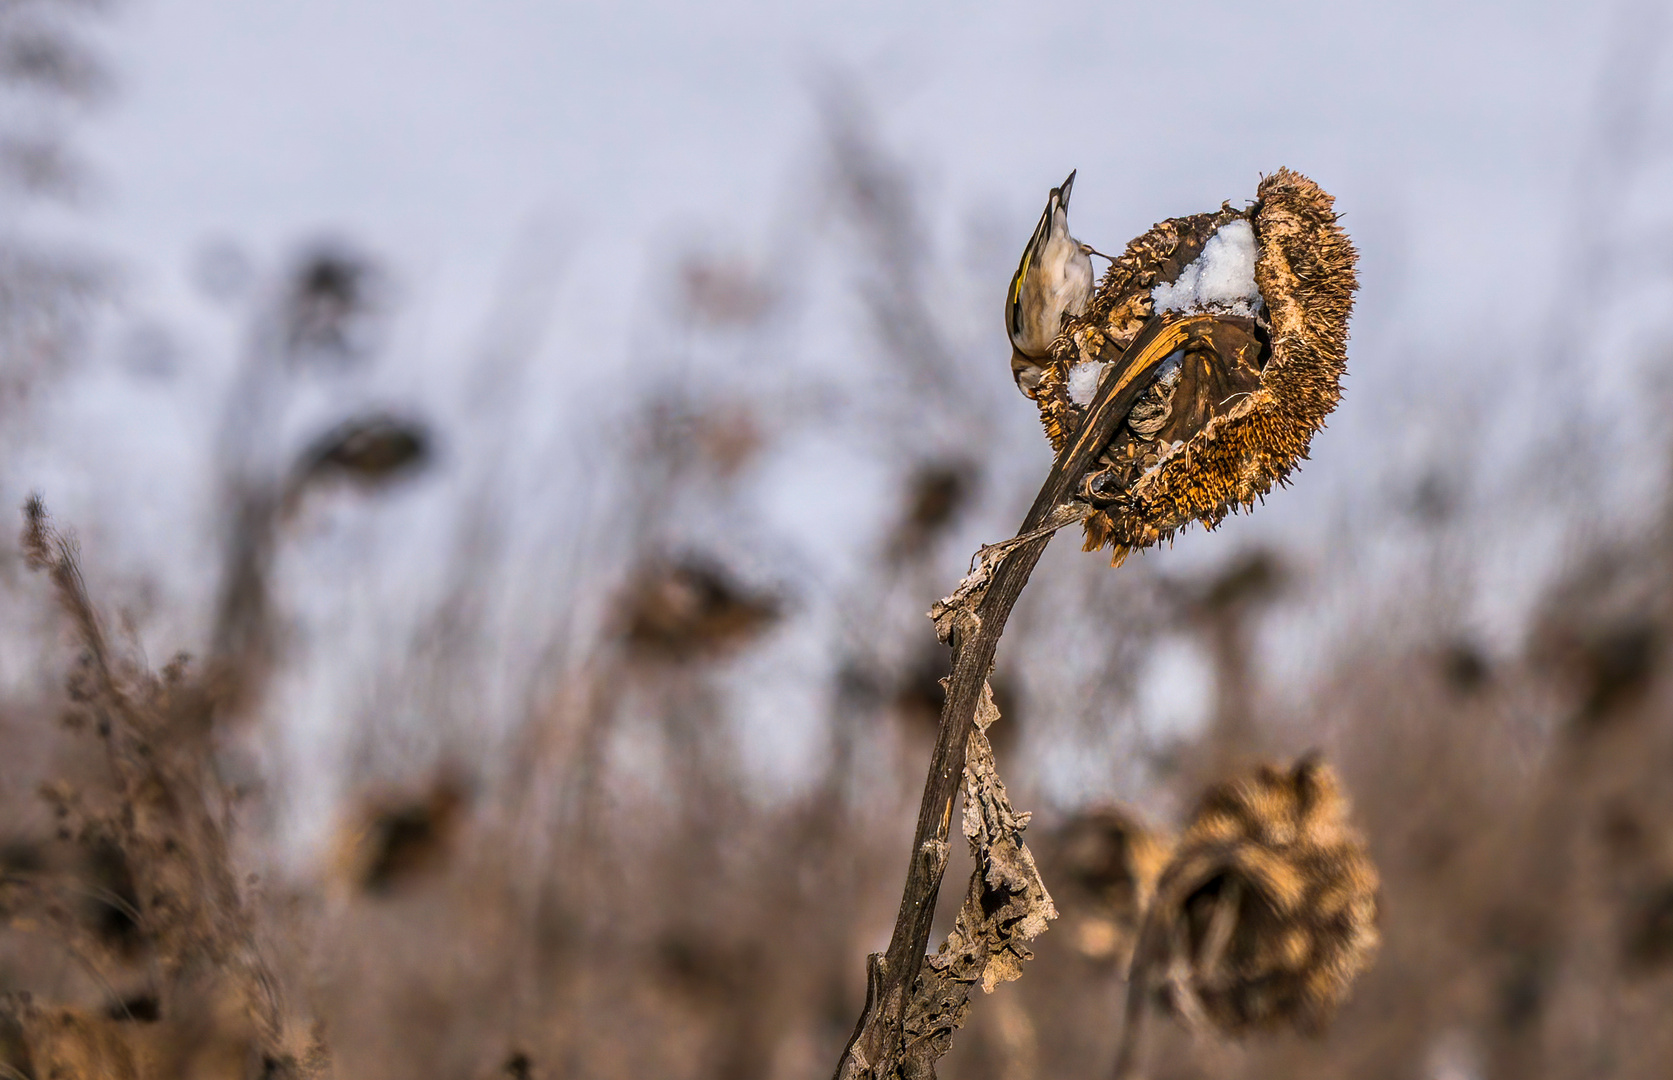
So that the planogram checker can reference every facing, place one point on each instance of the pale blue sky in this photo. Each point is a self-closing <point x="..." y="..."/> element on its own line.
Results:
<point x="437" y="134"/>
<point x="435" y="130"/>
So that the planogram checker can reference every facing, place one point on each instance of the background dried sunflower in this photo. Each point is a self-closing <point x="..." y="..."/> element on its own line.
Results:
<point x="1268" y="909"/>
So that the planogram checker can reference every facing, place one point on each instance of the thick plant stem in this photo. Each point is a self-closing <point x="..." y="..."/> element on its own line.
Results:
<point x="874" y="1050"/>
<point x="1132" y="1033"/>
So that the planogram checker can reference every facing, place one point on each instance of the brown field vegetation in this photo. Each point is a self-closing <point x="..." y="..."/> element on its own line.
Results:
<point x="606" y="888"/>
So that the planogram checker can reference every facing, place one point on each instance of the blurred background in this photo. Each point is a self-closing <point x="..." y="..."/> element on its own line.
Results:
<point x="560" y="418"/>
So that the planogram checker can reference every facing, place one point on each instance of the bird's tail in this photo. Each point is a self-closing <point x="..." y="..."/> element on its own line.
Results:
<point x="1061" y="194"/>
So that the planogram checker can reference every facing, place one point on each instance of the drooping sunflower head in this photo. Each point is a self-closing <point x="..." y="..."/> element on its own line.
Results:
<point x="1255" y="303"/>
<point x="1267" y="911"/>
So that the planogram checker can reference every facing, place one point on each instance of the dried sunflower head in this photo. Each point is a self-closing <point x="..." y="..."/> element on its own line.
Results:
<point x="1267" y="911"/>
<point x="1254" y="306"/>
<point x="691" y="608"/>
<point x="1108" y="862"/>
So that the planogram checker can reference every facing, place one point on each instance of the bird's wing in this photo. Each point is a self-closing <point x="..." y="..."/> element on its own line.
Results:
<point x="1035" y="244"/>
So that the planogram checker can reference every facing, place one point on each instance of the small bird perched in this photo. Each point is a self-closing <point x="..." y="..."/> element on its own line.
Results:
<point x="1054" y="279"/>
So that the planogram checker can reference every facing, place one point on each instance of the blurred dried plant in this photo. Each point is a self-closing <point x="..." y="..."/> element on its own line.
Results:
<point x="167" y="890"/>
<point x="725" y="291"/>
<point x="394" y="841"/>
<point x="49" y="75"/>
<point x="38" y="50"/>
<point x="1107" y="863"/>
<point x="1222" y="609"/>
<point x="331" y="311"/>
<point x="691" y="607"/>
<point x="328" y="314"/>
<point x="1266" y="912"/>
<point x="370" y="450"/>
<point x="722" y="436"/>
<point x="937" y="493"/>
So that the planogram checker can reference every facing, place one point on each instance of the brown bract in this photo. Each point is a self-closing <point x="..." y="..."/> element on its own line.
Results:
<point x="1250" y="392"/>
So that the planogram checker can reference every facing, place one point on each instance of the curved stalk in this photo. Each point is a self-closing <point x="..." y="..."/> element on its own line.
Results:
<point x="874" y="1050"/>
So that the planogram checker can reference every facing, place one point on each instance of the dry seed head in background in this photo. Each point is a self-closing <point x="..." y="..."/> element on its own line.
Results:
<point x="330" y="310"/>
<point x="1236" y="405"/>
<point x="691" y="608"/>
<point x="370" y="450"/>
<point x="1268" y="909"/>
<point x="395" y="840"/>
<point x="937" y="492"/>
<point x="1107" y="862"/>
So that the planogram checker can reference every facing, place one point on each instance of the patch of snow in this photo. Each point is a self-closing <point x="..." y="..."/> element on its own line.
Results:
<point x="1083" y="382"/>
<point x="1083" y="377"/>
<point x="1221" y="280"/>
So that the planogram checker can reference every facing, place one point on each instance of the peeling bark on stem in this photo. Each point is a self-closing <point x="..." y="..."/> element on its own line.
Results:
<point x="1005" y="907"/>
<point x="975" y="618"/>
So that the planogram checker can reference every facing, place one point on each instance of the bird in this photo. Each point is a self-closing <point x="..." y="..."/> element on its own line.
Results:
<point x="1054" y="279"/>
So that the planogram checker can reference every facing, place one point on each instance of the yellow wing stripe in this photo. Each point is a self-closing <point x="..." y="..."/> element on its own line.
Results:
<point x="1016" y="291"/>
